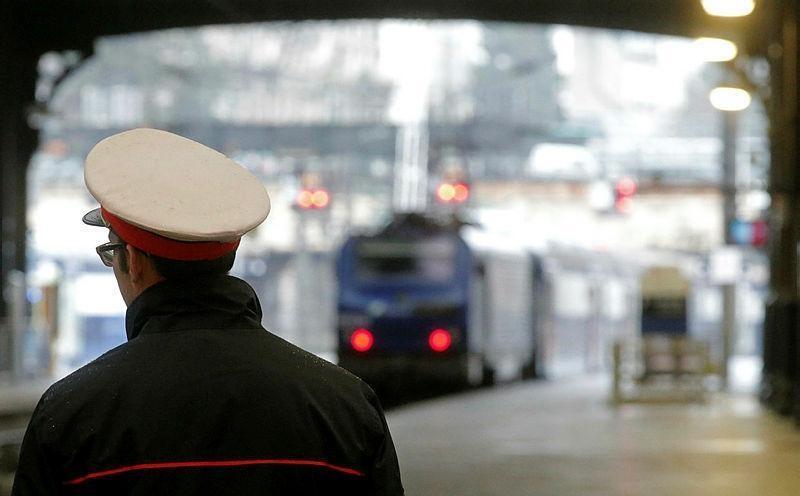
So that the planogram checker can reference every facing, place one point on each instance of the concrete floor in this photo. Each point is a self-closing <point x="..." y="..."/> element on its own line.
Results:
<point x="565" y="439"/>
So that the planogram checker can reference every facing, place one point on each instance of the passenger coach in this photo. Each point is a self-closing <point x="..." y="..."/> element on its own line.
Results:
<point x="443" y="301"/>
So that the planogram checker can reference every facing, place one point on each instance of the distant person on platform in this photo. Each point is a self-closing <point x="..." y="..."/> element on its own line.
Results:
<point x="201" y="399"/>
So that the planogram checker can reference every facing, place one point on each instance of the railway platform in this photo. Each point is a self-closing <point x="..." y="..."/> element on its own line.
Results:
<point x="17" y="401"/>
<point x="566" y="438"/>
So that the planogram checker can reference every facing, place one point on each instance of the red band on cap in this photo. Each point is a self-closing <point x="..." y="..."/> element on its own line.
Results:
<point x="165" y="247"/>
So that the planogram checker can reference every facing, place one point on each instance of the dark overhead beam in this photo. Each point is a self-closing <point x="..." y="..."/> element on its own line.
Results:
<point x="75" y="24"/>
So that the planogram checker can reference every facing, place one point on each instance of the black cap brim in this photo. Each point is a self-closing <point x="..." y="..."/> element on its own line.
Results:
<point x="95" y="218"/>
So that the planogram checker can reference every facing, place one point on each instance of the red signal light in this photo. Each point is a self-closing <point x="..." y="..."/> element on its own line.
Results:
<point x="446" y="192"/>
<point x="362" y="340"/>
<point x="305" y="199"/>
<point x="440" y="340"/>
<point x="461" y="192"/>
<point x="623" y="195"/>
<point x="313" y="199"/>
<point x="626" y="187"/>
<point x="320" y="198"/>
<point x="452" y="192"/>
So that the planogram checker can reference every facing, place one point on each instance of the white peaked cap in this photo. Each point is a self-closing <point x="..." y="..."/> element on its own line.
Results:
<point x="174" y="187"/>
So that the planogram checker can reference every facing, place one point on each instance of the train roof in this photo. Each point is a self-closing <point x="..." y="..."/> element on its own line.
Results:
<point x="415" y="224"/>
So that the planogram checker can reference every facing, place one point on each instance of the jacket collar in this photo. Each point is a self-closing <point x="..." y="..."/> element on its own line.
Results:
<point x="204" y="302"/>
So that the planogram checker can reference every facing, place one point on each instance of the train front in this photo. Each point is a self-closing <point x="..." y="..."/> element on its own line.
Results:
<point x="403" y="306"/>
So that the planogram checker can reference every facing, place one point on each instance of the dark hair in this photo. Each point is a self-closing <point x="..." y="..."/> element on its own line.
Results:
<point x="181" y="269"/>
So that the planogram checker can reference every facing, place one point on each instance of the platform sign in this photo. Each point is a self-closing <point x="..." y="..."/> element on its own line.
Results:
<point x="664" y="294"/>
<point x="747" y="233"/>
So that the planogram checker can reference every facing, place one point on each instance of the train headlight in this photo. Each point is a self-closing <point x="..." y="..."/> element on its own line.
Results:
<point x="362" y="340"/>
<point x="440" y="340"/>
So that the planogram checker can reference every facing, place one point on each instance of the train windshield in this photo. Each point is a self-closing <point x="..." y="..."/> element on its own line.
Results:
<point x="428" y="260"/>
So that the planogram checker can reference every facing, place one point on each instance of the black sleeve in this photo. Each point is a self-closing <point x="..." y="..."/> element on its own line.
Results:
<point x="385" y="471"/>
<point x="34" y="476"/>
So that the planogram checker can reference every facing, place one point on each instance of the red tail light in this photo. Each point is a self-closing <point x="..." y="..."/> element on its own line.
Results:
<point x="320" y="198"/>
<point x="361" y="340"/>
<point x="440" y="340"/>
<point x="461" y="193"/>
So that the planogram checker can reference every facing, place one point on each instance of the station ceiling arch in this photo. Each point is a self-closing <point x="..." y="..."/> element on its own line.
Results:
<point x="30" y="28"/>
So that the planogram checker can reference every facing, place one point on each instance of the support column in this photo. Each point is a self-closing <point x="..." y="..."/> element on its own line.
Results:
<point x="792" y="90"/>
<point x="17" y="143"/>
<point x="780" y="325"/>
<point x="729" y="135"/>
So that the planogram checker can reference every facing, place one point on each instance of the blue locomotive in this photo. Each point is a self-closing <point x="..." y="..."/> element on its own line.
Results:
<point x="413" y="301"/>
<point x="433" y="300"/>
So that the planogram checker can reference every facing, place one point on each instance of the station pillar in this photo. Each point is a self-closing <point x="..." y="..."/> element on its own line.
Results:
<point x="780" y="379"/>
<point x="18" y="73"/>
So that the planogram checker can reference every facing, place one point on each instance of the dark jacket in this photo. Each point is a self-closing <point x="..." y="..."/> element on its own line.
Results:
<point x="203" y="400"/>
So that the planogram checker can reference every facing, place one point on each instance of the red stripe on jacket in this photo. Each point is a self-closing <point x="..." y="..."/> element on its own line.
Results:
<point x="213" y="463"/>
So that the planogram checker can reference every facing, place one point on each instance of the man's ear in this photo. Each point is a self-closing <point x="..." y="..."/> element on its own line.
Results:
<point x="135" y="263"/>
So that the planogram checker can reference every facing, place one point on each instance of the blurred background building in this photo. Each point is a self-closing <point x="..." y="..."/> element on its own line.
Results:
<point x="541" y="122"/>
